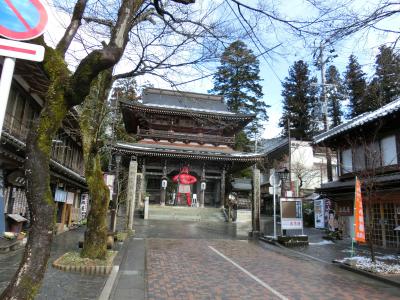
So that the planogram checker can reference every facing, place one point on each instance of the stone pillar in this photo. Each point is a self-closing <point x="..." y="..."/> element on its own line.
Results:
<point x="255" y="208"/>
<point x="202" y="186"/>
<point x="131" y="192"/>
<point x="163" y="191"/>
<point x="222" y="191"/>
<point x="115" y="195"/>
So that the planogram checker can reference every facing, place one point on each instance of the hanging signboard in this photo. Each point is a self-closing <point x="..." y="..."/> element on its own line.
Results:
<point x="60" y="196"/>
<point x="291" y="213"/>
<point x="359" y="228"/>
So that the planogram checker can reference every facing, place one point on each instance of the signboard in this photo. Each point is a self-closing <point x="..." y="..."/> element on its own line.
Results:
<point x="359" y="228"/>
<point x="291" y="213"/>
<point x="21" y="50"/>
<point x="109" y="181"/>
<point x="60" y="196"/>
<point x="84" y="205"/>
<point x="22" y="19"/>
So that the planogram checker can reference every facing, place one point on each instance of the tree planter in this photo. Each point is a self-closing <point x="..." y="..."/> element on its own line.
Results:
<point x="72" y="262"/>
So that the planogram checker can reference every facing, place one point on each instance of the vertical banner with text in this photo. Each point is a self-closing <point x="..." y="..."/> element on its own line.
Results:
<point x="359" y="228"/>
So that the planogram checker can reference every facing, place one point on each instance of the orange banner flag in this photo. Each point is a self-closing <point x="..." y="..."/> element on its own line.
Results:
<point x="359" y="228"/>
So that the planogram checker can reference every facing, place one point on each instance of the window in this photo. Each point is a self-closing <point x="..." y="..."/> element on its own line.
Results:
<point x="373" y="156"/>
<point x="347" y="163"/>
<point x="389" y="153"/>
<point x="359" y="159"/>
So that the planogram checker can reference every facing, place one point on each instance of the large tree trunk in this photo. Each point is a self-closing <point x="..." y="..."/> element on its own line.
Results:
<point x="95" y="244"/>
<point x="93" y="124"/>
<point x="27" y="280"/>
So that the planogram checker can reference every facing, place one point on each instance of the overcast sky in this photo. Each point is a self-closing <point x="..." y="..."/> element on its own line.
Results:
<point x="273" y="69"/>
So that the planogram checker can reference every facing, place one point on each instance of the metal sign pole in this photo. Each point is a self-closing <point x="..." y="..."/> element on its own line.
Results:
<point x="5" y="84"/>
<point x="274" y="210"/>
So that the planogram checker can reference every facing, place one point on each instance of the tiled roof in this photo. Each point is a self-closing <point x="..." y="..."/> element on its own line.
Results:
<point x="185" y="152"/>
<point x="360" y="120"/>
<point x="269" y="145"/>
<point x="184" y="100"/>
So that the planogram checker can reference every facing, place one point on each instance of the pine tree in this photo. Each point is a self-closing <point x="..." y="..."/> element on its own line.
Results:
<point x="335" y="93"/>
<point x="300" y="102"/>
<point x="356" y="88"/>
<point x="238" y="80"/>
<point x="387" y="76"/>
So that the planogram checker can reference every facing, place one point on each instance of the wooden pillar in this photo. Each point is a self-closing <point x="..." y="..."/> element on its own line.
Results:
<point x="255" y="208"/>
<point x="203" y="186"/>
<point x="131" y="193"/>
<point x="222" y="191"/>
<point x="63" y="216"/>
<point x="163" y="191"/>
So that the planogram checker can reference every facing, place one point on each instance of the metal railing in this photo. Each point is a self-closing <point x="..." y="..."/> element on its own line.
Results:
<point x="189" y="137"/>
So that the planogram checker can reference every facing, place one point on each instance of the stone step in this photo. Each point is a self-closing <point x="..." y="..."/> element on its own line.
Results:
<point x="185" y="213"/>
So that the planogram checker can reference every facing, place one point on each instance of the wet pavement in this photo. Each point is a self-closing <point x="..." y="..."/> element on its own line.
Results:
<point x="205" y="260"/>
<point x="57" y="284"/>
<point x="189" y="260"/>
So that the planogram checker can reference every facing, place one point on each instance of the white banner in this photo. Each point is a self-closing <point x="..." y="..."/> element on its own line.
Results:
<point x="292" y="223"/>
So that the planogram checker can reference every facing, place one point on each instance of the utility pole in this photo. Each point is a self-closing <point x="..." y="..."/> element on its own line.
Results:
<point x="325" y="112"/>
<point x="290" y="155"/>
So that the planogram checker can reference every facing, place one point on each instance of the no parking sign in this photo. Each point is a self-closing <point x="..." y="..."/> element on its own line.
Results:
<point x="22" y="19"/>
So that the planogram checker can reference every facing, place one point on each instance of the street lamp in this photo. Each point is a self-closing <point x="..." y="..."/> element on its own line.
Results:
<point x="283" y="174"/>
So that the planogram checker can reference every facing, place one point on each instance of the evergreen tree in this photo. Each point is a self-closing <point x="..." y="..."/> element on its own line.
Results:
<point x="356" y="87"/>
<point x="238" y="80"/>
<point x="300" y="102"/>
<point x="124" y="89"/>
<point x="387" y="76"/>
<point x="335" y="93"/>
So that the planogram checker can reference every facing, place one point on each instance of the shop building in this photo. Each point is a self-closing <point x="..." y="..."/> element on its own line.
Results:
<point x="367" y="146"/>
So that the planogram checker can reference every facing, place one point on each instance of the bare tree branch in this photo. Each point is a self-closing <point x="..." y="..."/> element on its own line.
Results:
<point x="73" y="26"/>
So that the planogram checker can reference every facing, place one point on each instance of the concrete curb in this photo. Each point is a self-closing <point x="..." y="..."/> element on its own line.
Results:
<point x="366" y="274"/>
<point x="12" y="246"/>
<point x="106" y="292"/>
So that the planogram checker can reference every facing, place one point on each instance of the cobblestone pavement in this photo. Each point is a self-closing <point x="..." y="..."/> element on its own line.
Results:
<point x="191" y="269"/>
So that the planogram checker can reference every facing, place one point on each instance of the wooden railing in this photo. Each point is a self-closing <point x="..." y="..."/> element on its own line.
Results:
<point x="19" y="130"/>
<point x="185" y="137"/>
<point x="15" y="127"/>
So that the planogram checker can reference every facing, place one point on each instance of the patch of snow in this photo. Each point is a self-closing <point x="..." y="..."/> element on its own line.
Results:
<point x="189" y="108"/>
<point x="321" y="243"/>
<point x="249" y="154"/>
<point x="388" y="266"/>
<point x="134" y="147"/>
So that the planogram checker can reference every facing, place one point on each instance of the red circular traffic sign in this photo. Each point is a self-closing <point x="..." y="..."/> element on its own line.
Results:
<point x="22" y="19"/>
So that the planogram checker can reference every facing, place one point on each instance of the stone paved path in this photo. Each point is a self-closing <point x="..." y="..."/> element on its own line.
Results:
<point x="191" y="269"/>
<point x="57" y="285"/>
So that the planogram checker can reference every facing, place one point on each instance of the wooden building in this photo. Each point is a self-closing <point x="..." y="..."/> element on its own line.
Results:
<point x="67" y="167"/>
<point x="175" y="129"/>
<point x="368" y="146"/>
